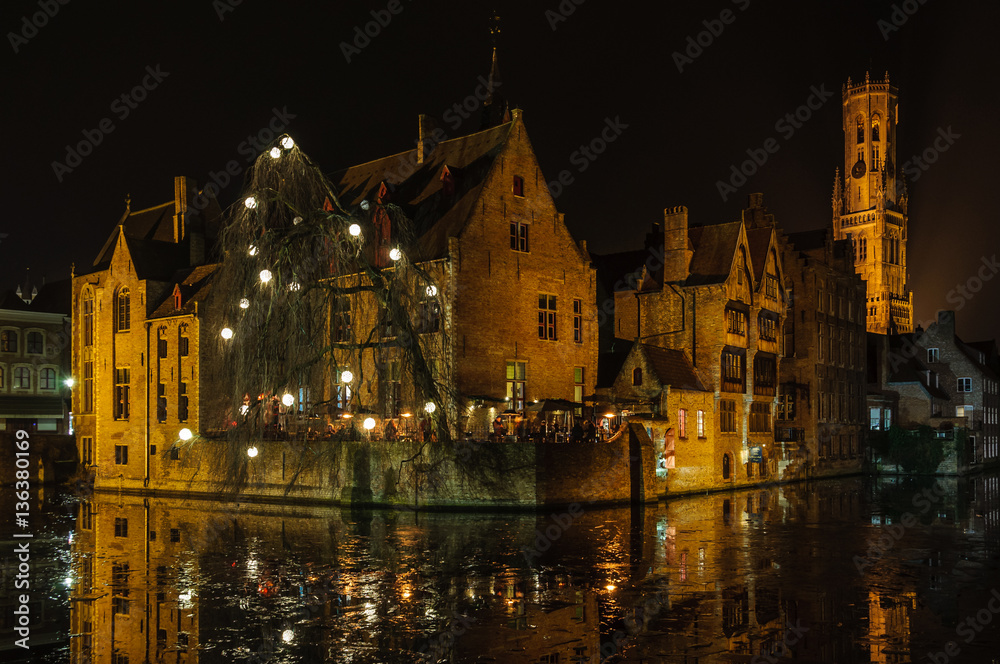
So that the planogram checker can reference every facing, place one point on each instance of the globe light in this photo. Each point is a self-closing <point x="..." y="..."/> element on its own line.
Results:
<point x="354" y="230"/>
<point x="288" y="399"/>
<point x="430" y="407"/>
<point x="185" y="434"/>
<point x="297" y="220"/>
<point x="227" y="333"/>
<point x="346" y="376"/>
<point x="287" y="143"/>
<point x="431" y="291"/>
<point x="287" y="636"/>
<point x="251" y="452"/>
<point x="395" y="254"/>
<point x="369" y="423"/>
<point x="244" y="303"/>
<point x="252" y="250"/>
<point x="69" y="382"/>
<point x="244" y="409"/>
<point x="365" y="204"/>
<point x="275" y="152"/>
<point x="294" y="286"/>
<point x="265" y="276"/>
<point x="250" y="202"/>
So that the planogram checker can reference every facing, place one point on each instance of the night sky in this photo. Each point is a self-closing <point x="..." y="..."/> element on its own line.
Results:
<point x="224" y="69"/>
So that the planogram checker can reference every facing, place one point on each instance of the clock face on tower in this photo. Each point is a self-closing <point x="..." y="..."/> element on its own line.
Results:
<point x="859" y="169"/>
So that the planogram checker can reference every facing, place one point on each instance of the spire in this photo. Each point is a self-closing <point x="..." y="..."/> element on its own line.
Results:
<point x="495" y="108"/>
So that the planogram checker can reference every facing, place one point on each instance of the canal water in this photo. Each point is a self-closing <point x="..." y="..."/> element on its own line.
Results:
<point x="843" y="571"/>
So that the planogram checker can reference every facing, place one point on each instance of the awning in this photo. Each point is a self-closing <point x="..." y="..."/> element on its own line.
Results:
<point x="31" y="407"/>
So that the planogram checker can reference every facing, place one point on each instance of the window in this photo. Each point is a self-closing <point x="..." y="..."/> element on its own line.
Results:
<point x="121" y="393"/>
<point x="736" y="322"/>
<point x="430" y="314"/>
<point x="700" y="421"/>
<point x="342" y="319"/>
<point x="8" y="341"/>
<point x="637" y="376"/>
<point x="3" y="378"/>
<point x="175" y="534"/>
<point x="578" y="386"/>
<point x="786" y="404"/>
<point x="88" y="318"/>
<point x="860" y="130"/>
<point x="733" y="371"/>
<point x="682" y="416"/>
<point x="161" y="348"/>
<point x="161" y="402"/>
<point x="515" y="385"/>
<point x="87" y="450"/>
<point x="726" y="470"/>
<point x="121" y="527"/>
<point x="86" y="519"/>
<point x="519" y="236"/>
<point x="34" y="343"/>
<point x="875" y="128"/>
<point x="47" y="379"/>
<point x="760" y="418"/>
<point x="767" y="327"/>
<point x="964" y="384"/>
<point x="771" y="287"/>
<point x="121" y="455"/>
<point x="765" y="375"/>
<point x="183" y="346"/>
<point x="518" y="185"/>
<point x="182" y="402"/>
<point x="22" y="378"/>
<point x="119" y="583"/>
<point x="123" y="310"/>
<point x="727" y="418"/>
<point x="175" y="453"/>
<point x="88" y="387"/>
<point x="547" y="317"/>
<point x="341" y="391"/>
<point x="578" y="321"/>
<point x="963" y="411"/>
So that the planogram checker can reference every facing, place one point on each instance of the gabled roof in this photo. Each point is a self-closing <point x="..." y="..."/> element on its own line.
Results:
<point x="609" y="364"/>
<point x="418" y="188"/>
<point x="911" y="370"/>
<point x="759" y="241"/>
<point x="155" y="223"/>
<point x="672" y="367"/>
<point x="714" y="249"/>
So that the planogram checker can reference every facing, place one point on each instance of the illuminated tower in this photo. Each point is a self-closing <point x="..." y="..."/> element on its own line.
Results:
<point x="869" y="203"/>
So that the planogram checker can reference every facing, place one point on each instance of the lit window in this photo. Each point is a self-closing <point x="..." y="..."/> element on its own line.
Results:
<point x="760" y="418"/>
<point x="578" y="321"/>
<point x="547" y="317"/>
<point x="701" y="423"/>
<point x="88" y="318"/>
<point x="123" y="310"/>
<point x="122" y="387"/>
<point x="8" y="341"/>
<point x="47" y="379"/>
<point x="727" y="419"/>
<point x="682" y="423"/>
<point x="22" y="378"/>
<point x="516" y="385"/>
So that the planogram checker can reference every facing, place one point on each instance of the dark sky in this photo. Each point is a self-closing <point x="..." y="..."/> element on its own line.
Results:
<point x="224" y="76"/>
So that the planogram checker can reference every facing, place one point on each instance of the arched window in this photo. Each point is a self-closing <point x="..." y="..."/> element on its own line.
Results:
<point x="22" y="378"/>
<point x="88" y="318"/>
<point x="875" y="128"/>
<point x="637" y="376"/>
<point x="34" y="343"/>
<point x="726" y="467"/>
<point x="861" y="130"/>
<point x="8" y="341"/>
<point x="47" y="379"/>
<point x="123" y="310"/>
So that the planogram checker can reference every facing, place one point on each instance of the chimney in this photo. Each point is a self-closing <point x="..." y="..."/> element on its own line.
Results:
<point x="946" y="324"/>
<point x="428" y="135"/>
<point x="184" y="191"/>
<point x="756" y="215"/>
<point x="677" y="252"/>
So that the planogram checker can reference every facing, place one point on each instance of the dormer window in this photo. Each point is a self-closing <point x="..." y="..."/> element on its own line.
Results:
<point x="518" y="185"/>
<point x="177" y="298"/>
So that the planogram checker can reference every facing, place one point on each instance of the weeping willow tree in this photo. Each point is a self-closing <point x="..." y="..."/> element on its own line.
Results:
<point x="310" y="294"/>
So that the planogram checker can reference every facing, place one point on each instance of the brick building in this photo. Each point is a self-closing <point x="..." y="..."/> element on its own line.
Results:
<point x="821" y="404"/>
<point x="870" y="203"/>
<point x="719" y="298"/>
<point x="35" y="359"/>
<point x="138" y="325"/>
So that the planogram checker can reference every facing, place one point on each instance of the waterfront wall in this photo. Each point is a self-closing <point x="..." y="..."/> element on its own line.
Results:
<point x="410" y="474"/>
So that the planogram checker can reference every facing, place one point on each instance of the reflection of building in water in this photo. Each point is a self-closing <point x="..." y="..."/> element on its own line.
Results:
<point x="889" y="626"/>
<point x="563" y="627"/>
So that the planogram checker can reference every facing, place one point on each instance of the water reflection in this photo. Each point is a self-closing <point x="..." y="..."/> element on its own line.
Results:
<point x="824" y="572"/>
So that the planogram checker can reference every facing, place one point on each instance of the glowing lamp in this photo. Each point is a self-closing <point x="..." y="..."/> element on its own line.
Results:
<point x="252" y="250"/>
<point x="610" y="587"/>
<point x="244" y="409"/>
<point x="250" y="202"/>
<point x="288" y="399"/>
<point x="287" y="143"/>
<point x="275" y="152"/>
<point x="369" y="423"/>
<point x="297" y="220"/>
<point x="430" y="407"/>
<point x="265" y="276"/>
<point x="395" y="254"/>
<point x="354" y="230"/>
<point x="227" y="333"/>
<point x="288" y="634"/>
<point x="185" y="434"/>
<point x="609" y="415"/>
<point x="431" y="291"/>
<point x="346" y="376"/>
<point x="407" y="415"/>
<point x="244" y="303"/>
<point x="69" y="382"/>
<point x="251" y="452"/>
<point x="365" y="204"/>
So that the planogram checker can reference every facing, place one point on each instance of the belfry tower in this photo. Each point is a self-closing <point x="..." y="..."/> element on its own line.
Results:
<point x="869" y="203"/>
